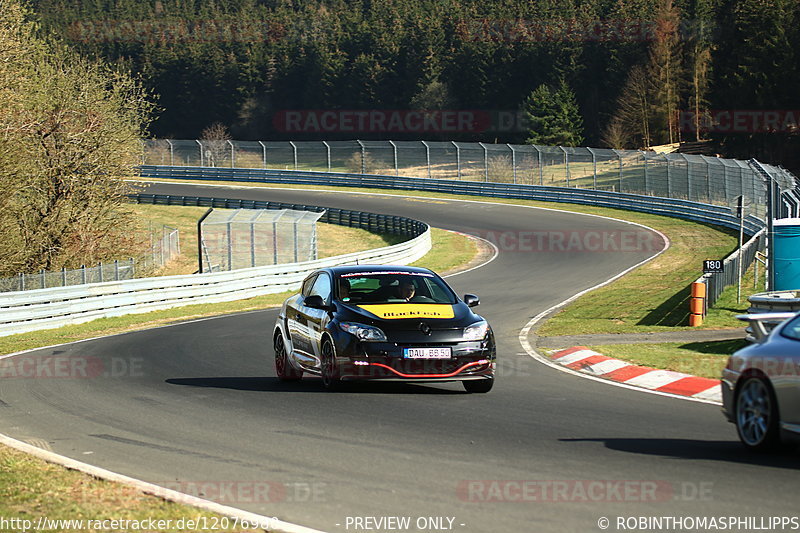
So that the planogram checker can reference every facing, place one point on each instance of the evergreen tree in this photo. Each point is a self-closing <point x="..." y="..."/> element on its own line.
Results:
<point x="553" y="116"/>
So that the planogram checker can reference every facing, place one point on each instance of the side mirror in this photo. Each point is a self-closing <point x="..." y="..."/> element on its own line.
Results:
<point x="471" y="300"/>
<point x="315" y="301"/>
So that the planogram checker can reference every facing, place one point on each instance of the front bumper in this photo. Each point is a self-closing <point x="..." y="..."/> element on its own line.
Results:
<point x="471" y="360"/>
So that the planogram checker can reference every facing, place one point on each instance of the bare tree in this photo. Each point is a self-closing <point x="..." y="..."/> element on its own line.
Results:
<point x="216" y="148"/>
<point x="66" y="142"/>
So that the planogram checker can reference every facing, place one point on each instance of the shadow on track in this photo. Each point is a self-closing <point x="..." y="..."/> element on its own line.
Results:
<point x="313" y="385"/>
<point x="729" y="451"/>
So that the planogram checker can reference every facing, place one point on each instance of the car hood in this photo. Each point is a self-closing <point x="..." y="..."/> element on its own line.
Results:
<point x="409" y="315"/>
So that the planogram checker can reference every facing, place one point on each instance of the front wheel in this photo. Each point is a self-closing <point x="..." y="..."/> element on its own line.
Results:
<point x="283" y="368"/>
<point x="330" y="371"/>
<point x="757" y="415"/>
<point x="483" y="385"/>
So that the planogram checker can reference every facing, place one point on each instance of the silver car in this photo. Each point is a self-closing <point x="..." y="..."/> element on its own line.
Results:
<point x="761" y="383"/>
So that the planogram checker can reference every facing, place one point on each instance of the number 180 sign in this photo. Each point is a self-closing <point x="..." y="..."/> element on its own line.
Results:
<point x="711" y="266"/>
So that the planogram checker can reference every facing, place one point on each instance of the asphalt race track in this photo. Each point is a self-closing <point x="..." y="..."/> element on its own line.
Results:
<point x="197" y="407"/>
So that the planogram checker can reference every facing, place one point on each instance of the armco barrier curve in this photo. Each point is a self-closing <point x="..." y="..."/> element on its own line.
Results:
<point x="32" y="310"/>
<point x="688" y="210"/>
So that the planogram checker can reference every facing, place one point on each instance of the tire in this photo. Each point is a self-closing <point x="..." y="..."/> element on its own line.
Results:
<point x="479" y="386"/>
<point x="757" y="415"/>
<point x="283" y="368"/>
<point x="329" y="371"/>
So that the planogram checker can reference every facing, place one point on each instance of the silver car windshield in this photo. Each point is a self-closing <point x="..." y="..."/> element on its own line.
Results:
<point x="792" y="329"/>
<point x="393" y="287"/>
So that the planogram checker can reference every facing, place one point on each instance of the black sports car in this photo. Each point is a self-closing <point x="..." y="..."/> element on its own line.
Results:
<point x="383" y="323"/>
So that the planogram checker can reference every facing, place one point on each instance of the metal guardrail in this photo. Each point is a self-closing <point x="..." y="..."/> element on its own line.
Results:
<point x="689" y="210"/>
<point x="50" y="308"/>
<point x="774" y="302"/>
<point x="716" y="282"/>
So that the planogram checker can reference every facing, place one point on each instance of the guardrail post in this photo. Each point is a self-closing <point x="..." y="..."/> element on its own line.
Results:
<point x="697" y="304"/>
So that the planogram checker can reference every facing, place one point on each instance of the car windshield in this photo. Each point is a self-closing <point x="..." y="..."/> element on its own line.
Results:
<point x="385" y="287"/>
<point x="792" y="329"/>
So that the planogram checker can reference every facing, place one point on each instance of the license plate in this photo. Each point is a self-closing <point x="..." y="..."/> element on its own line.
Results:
<point x="426" y="353"/>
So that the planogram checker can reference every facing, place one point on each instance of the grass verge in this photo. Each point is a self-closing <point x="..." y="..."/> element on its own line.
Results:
<point x="703" y="359"/>
<point x="31" y="488"/>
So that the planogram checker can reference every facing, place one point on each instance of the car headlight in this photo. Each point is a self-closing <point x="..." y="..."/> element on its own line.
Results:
<point x="476" y="331"/>
<point x="363" y="332"/>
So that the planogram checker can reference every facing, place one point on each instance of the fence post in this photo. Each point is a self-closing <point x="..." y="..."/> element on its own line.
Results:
<point x="513" y="161"/>
<point x="646" y="181"/>
<point x="41" y="276"/>
<point x="294" y="151"/>
<point x="485" y="162"/>
<point x="458" y="159"/>
<point x="264" y="152"/>
<point x="594" y="168"/>
<point x="116" y="270"/>
<point x="100" y="270"/>
<point x="233" y="154"/>
<point x="63" y="276"/>
<point x="427" y="157"/>
<point x="363" y="157"/>
<point x="394" y="149"/>
<point x="566" y="165"/>
<point x="539" y="162"/>
<point x="230" y="247"/>
<point x="83" y="274"/>
<point x="328" y="150"/>
<point x="171" y="153"/>
<point x="201" y="152"/>
<point x="294" y="234"/>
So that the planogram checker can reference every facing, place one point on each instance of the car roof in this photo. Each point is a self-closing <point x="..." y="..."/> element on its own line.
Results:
<point x="350" y="269"/>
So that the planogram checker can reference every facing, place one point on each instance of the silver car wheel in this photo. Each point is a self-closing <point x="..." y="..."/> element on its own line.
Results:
<point x="756" y="416"/>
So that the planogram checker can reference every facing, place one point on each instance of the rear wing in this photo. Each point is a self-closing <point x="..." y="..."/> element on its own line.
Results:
<point x="762" y="323"/>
